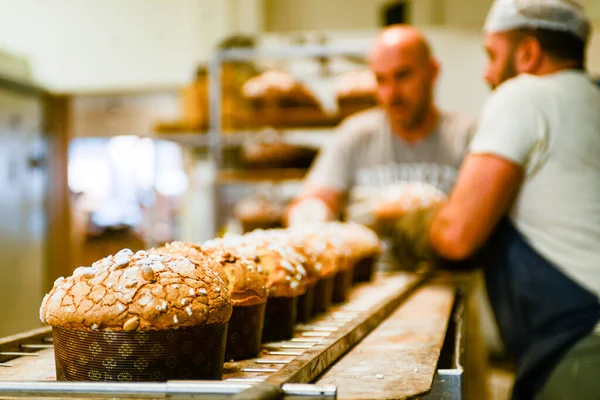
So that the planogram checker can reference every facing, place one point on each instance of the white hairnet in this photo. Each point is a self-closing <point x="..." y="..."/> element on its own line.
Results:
<point x="556" y="15"/>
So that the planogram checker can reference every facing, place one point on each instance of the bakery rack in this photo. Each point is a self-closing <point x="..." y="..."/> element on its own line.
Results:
<point x="231" y="183"/>
<point x="214" y="73"/>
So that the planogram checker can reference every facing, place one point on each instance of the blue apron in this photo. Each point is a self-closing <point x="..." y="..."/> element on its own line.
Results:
<point x="541" y="312"/>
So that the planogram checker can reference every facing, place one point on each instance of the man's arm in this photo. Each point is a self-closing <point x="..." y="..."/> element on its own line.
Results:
<point x="510" y="134"/>
<point x="484" y="191"/>
<point x="329" y="179"/>
<point x="510" y="142"/>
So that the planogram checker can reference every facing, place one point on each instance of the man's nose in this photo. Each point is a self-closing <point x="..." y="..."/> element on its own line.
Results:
<point x="388" y="94"/>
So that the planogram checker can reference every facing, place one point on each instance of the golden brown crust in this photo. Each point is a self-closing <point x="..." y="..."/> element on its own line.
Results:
<point x="286" y="276"/>
<point x="315" y="260"/>
<point x="277" y="87"/>
<point x="356" y="84"/>
<point x="362" y="241"/>
<point x="245" y="284"/>
<point x="138" y="291"/>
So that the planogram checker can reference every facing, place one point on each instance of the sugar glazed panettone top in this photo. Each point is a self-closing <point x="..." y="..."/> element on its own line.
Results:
<point x="284" y="265"/>
<point x="313" y="254"/>
<point x="286" y="276"/>
<point x="141" y="291"/>
<point x="360" y="240"/>
<point x="247" y="286"/>
<point x="333" y="252"/>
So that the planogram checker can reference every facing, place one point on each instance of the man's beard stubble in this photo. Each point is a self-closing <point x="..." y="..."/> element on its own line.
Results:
<point x="508" y="72"/>
<point x="417" y="117"/>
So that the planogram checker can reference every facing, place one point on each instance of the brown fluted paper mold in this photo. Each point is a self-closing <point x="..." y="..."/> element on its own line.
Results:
<point x="323" y="295"/>
<point x="342" y="284"/>
<point x="186" y="353"/>
<point x="245" y="332"/>
<point x="280" y="319"/>
<point x="138" y="317"/>
<point x="342" y="281"/>
<point x="364" y="270"/>
<point x="247" y="288"/>
<point x="306" y="304"/>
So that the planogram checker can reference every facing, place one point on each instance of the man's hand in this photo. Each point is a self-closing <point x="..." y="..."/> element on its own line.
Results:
<point x="410" y="236"/>
<point x="315" y="205"/>
<point x="308" y="211"/>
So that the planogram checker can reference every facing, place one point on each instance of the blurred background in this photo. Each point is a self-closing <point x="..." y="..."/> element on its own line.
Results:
<point x="132" y="123"/>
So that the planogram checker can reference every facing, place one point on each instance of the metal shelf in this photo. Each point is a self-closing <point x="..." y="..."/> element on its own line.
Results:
<point x="243" y="176"/>
<point x="292" y="52"/>
<point x="314" y="137"/>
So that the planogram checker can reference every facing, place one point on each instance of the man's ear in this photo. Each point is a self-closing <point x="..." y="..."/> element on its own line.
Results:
<point x="528" y="55"/>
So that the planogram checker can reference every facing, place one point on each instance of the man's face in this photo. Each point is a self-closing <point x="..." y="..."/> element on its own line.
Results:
<point x="501" y="53"/>
<point x="404" y="84"/>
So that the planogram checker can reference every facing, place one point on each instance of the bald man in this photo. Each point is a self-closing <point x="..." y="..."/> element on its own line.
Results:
<point x="406" y="138"/>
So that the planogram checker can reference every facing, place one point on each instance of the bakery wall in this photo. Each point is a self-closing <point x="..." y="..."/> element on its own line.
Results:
<point x="294" y="15"/>
<point x="318" y="15"/>
<point x="87" y="45"/>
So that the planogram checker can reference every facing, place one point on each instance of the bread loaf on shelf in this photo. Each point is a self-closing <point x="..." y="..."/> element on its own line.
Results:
<point x="269" y="149"/>
<point x="279" y="100"/>
<point x="259" y="212"/>
<point x="355" y="91"/>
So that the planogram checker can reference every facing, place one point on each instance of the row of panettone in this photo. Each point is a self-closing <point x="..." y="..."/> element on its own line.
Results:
<point x="179" y="311"/>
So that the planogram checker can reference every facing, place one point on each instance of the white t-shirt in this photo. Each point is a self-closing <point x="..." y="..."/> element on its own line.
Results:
<point x="550" y="125"/>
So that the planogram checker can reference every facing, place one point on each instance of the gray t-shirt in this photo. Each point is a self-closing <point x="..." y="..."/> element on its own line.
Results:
<point x="365" y="155"/>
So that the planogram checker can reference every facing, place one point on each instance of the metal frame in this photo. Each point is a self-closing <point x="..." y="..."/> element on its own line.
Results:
<point x="215" y="94"/>
<point x="449" y="383"/>
<point x="144" y="390"/>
